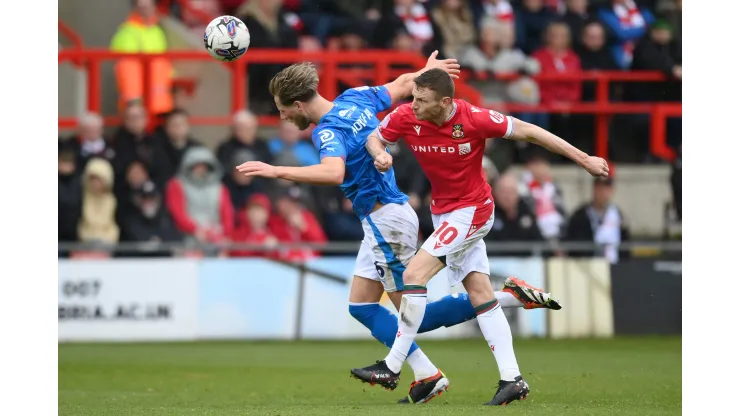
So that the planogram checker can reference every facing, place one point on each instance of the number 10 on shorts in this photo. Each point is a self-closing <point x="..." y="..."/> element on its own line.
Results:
<point x="445" y="234"/>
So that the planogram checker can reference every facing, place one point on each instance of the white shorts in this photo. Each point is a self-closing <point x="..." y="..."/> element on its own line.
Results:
<point x="391" y="237"/>
<point x="458" y="241"/>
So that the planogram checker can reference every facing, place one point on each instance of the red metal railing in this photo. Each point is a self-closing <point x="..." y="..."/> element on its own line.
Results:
<point x="380" y="72"/>
<point x="71" y="35"/>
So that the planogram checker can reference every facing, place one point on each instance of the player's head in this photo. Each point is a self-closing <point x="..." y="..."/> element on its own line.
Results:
<point x="293" y="88"/>
<point x="433" y="92"/>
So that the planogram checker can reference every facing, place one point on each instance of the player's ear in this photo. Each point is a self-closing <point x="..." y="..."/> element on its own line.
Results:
<point x="446" y="101"/>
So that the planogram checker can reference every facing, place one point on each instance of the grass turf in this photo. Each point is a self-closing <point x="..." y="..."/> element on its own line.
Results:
<point x="622" y="376"/>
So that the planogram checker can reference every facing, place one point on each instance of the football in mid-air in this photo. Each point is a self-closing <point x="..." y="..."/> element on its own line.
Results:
<point x="226" y="38"/>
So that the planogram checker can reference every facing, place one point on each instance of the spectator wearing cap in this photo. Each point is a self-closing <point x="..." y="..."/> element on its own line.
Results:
<point x="600" y="222"/>
<point x="243" y="138"/>
<point x="538" y="189"/>
<point x="241" y="187"/>
<point x="658" y="52"/>
<point x="293" y="223"/>
<point x="149" y="221"/>
<point x="70" y="193"/>
<point x="199" y="204"/>
<point x="289" y="143"/>
<point x="513" y="219"/>
<point x="98" y="220"/>
<point x="252" y="227"/>
<point x="627" y="23"/>
<point x="671" y="11"/>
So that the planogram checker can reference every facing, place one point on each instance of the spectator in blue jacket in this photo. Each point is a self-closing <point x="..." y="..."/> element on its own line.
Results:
<point x="627" y="23"/>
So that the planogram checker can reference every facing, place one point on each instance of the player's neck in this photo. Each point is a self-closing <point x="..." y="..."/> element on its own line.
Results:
<point x="318" y="107"/>
<point x="444" y="116"/>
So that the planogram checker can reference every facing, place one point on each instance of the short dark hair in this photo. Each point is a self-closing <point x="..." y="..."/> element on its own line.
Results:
<point x="297" y="82"/>
<point x="436" y="80"/>
<point x="174" y="113"/>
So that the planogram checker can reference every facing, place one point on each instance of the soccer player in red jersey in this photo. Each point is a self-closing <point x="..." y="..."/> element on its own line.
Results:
<point x="447" y="136"/>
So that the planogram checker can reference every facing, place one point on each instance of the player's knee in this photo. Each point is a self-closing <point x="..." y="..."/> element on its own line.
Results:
<point x="414" y="276"/>
<point x="478" y="286"/>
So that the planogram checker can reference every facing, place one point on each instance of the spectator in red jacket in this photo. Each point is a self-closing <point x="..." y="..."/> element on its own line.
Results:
<point x="293" y="223"/>
<point x="252" y="227"/>
<point x="199" y="204"/>
<point x="557" y="57"/>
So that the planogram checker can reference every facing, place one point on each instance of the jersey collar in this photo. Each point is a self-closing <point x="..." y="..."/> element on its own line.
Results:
<point x="452" y="113"/>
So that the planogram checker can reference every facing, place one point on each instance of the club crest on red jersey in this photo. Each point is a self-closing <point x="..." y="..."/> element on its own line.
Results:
<point x="457" y="131"/>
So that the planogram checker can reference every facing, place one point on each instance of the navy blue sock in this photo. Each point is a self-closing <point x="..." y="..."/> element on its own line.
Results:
<point x="448" y="311"/>
<point x="381" y="322"/>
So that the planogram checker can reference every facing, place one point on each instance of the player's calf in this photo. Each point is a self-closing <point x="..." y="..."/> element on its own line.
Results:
<point x="493" y="325"/>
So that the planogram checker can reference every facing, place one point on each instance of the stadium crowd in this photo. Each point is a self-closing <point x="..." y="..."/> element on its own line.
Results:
<point x="166" y="187"/>
<point x="137" y="185"/>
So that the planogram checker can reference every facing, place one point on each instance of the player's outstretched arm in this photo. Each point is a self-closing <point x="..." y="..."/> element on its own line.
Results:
<point x="401" y="87"/>
<point x="329" y="172"/>
<point x="522" y="130"/>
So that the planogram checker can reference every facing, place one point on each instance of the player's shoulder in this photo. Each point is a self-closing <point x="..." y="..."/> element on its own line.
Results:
<point x="327" y="131"/>
<point x="479" y="113"/>
<point x="359" y="93"/>
<point x="467" y="108"/>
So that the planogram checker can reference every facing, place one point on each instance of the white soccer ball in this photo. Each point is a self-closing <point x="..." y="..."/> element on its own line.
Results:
<point x="226" y="38"/>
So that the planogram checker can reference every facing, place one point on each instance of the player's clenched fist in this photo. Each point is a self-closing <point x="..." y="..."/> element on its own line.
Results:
<point x="383" y="162"/>
<point x="596" y="166"/>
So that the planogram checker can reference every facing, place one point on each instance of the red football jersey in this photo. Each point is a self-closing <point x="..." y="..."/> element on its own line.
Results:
<point x="451" y="156"/>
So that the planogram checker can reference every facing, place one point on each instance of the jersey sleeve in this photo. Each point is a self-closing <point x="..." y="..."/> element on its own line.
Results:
<point x="492" y="124"/>
<point x="379" y="96"/>
<point x="390" y="130"/>
<point x="329" y="143"/>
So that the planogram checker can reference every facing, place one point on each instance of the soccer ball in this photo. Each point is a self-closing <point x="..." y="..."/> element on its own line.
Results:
<point x="226" y="38"/>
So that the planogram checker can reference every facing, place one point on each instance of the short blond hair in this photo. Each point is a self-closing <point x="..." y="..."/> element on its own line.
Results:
<point x="297" y="82"/>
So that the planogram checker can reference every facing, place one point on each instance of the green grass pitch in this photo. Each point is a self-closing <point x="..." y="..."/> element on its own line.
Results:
<point x="622" y="376"/>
